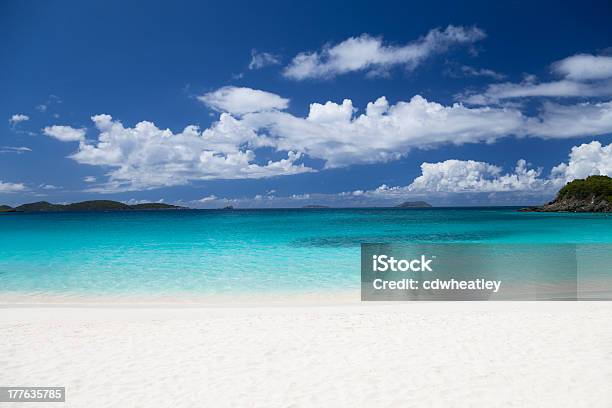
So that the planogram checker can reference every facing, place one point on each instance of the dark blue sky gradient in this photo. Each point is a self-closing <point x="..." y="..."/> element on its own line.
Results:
<point x="148" y="60"/>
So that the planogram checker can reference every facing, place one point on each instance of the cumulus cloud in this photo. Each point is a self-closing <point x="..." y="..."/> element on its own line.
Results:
<point x="334" y="133"/>
<point x="583" y="75"/>
<point x="18" y="118"/>
<point x="469" y="176"/>
<point x="585" y="160"/>
<point x="65" y="133"/>
<point x="262" y="59"/>
<point x="238" y="101"/>
<point x="450" y="182"/>
<point x="145" y="156"/>
<point x="367" y="53"/>
<point x="6" y="187"/>
<point x="583" y="67"/>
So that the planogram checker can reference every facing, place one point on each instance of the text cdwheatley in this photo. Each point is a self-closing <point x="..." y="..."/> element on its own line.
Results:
<point x="436" y="284"/>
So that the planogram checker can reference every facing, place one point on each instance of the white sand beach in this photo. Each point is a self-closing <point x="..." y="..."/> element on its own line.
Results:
<point x="470" y="354"/>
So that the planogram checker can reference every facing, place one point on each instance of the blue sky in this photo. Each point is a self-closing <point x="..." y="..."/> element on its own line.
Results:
<point x="209" y="104"/>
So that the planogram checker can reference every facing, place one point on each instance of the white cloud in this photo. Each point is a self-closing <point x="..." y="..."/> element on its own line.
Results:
<point x="11" y="149"/>
<point x="563" y="88"/>
<point x="6" y="187"/>
<point x="583" y="76"/>
<point x="48" y="187"/>
<point x="481" y="72"/>
<point x="367" y="53"/>
<point x="89" y="179"/>
<point x="300" y="197"/>
<point x="451" y="182"/>
<point x="239" y="101"/>
<point x="266" y="201"/>
<point x="331" y="112"/>
<point x="334" y="133"/>
<point x="469" y="176"/>
<point x="65" y="133"/>
<point x="262" y="59"/>
<point x="565" y="121"/>
<point x="582" y="67"/>
<point x="585" y="160"/>
<point x="18" y="118"/>
<point x="208" y="199"/>
<point x="145" y="156"/>
<point x="133" y="201"/>
<point x="384" y="132"/>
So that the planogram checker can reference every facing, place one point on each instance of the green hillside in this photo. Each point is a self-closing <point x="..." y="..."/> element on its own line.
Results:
<point x="597" y="187"/>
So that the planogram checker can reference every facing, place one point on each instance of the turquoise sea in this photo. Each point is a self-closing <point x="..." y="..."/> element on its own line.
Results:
<point x="246" y="251"/>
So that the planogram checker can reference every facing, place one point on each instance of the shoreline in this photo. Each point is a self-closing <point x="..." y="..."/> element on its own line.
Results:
<point x="281" y="299"/>
<point x="587" y="291"/>
<point x="434" y="306"/>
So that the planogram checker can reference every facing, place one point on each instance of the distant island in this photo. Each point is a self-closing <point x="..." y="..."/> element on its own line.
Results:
<point x="591" y="195"/>
<point x="315" y="206"/>
<point x="93" y="205"/>
<point x="414" y="204"/>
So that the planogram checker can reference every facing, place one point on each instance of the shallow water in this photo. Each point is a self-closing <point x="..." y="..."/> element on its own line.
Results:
<point x="246" y="251"/>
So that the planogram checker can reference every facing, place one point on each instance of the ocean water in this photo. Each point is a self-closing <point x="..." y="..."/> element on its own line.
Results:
<point x="246" y="251"/>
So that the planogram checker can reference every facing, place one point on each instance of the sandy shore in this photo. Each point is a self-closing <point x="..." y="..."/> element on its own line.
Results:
<point x="470" y="354"/>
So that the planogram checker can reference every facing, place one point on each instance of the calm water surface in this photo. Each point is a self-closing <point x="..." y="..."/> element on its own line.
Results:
<point x="215" y="252"/>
